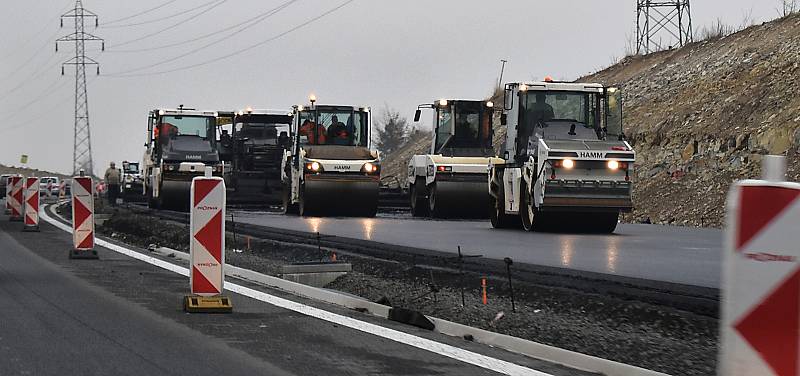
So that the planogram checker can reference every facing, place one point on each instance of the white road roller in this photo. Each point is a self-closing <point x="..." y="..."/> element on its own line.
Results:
<point x="181" y="143"/>
<point x="330" y="167"/>
<point x="450" y="181"/>
<point x="567" y="166"/>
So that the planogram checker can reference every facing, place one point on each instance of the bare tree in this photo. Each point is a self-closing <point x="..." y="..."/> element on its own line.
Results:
<point x="392" y="131"/>
<point x="788" y="7"/>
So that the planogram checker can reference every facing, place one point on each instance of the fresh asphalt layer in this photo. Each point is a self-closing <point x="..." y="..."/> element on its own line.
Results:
<point x="681" y="255"/>
<point x="118" y="315"/>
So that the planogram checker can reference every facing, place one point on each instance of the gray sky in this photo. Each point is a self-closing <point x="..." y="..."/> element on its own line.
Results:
<point x="369" y="52"/>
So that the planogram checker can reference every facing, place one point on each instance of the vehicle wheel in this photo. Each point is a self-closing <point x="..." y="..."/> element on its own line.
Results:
<point x="527" y="209"/>
<point x="288" y="207"/>
<point x="304" y="208"/>
<point x="419" y="205"/>
<point x="434" y="208"/>
<point x="152" y="202"/>
<point x="497" y="215"/>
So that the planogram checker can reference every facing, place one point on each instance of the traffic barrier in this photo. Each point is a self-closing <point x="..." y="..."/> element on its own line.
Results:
<point x="62" y="191"/>
<point x="760" y="324"/>
<point x="31" y="204"/>
<point x="82" y="219"/>
<point x="16" y="198"/>
<point x="207" y="246"/>
<point x="8" y="195"/>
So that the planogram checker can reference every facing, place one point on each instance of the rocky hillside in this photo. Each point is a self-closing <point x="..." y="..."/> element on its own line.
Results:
<point x="702" y="116"/>
<point x="29" y="172"/>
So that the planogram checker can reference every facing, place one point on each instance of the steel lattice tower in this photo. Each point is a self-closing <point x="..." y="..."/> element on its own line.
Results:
<point x="662" y="24"/>
<point x="82" y="141"/>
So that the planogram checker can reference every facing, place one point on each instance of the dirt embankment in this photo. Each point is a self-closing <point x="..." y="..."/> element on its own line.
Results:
<point x="650" y="336"/>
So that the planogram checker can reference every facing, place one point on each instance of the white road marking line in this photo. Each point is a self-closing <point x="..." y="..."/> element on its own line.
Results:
<point x="449" y="351"/>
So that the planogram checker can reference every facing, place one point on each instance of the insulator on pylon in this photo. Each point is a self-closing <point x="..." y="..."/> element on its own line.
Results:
<point x="62" y="22"/>
<point x="56" y="46"/>
<point x="96" y="22"/>
<point x="98" y="70"/>
<point x="103" y="46"/>
<point x="62" y="70"/>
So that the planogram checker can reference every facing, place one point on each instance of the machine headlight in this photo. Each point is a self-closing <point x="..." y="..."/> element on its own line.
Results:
<point x="568" y="163"/>
<point x="370" y="168"/>
<point x="613" y="165"/>
<point x="313" y="166"/>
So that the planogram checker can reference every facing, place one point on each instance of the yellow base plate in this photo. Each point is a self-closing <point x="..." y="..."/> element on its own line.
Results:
<point x="207" y="304"/>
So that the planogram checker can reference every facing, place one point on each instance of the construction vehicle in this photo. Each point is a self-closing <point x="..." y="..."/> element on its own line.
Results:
<point x="254" y="145"/>
<point x="330" y="167"/>
<point x="132" y="182"/>
<point x="566" y="165"/>
<point x="451" y="179"/>
<point x="181" y="143"/>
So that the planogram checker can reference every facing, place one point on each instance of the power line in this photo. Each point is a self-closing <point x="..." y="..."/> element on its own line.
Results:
<point x="235" y="53"/>
<point x="138" y="14"/>
<point x="270" y="13"/>
<point x="34" y="76"/>
<point x="38" y="33"/>
<point x="220" y="2"/>
<point x="257" y="19"/>
<point x="154" y="20"/>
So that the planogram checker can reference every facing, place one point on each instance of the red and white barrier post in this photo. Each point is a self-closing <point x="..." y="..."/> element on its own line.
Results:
<point x="16" y="198"/>
<point x="8" y="195"/>
<point x="760" y="324"/>
<point x="82" y="218"/>
<point x="207" y="246"/>
<point x="31" y="204"/>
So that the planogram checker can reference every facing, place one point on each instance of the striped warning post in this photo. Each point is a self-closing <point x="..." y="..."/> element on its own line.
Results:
<point x="207" y="246"/>
<point x="82" y="218"/>
<point x="31" y="204"/>
<point x="760" y="324"/>
<point x="8" y="195"/>
<point x="16" y="198"/>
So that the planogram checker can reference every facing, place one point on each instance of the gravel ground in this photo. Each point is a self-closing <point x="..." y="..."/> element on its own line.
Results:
<point x="646" y="335"/>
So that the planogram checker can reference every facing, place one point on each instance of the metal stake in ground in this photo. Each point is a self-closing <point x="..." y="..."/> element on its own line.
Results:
<point x="509" y="262"/>
<point x="461" y="272"/>
<point x="207" y="246"/>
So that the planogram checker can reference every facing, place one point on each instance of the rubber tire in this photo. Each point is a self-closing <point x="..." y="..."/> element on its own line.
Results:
<point x="303" y="210"/>
<point x="288" y="208"/>
<point x="419" y="205"/>
<point x="434" y="210"/>
<point x="527" y="219"/>
<point x="497" y="216"/>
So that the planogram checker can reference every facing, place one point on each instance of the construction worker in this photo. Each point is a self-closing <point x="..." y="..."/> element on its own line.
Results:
<point x="314" y="138"/>
<point x="112" y="178"/>
<point x="338" y="134"/>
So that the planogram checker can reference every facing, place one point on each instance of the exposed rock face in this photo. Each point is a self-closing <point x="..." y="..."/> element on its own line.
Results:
<point x="702" y="117"/>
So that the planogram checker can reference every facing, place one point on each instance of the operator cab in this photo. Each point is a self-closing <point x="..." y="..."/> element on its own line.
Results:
<point x="184" y="134"/>
<point x="254" y="127"/>
<point x="564" y="116"/>
<point x="461" y="127"/>
<point x="333" y="125"/>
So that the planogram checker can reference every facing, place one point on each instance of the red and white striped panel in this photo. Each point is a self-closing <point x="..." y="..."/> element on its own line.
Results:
<point x="8" y="194"/>
<point x="16" y="197"/>
<point x="760" y="323"/>
<point x="32" y="202"/>
<point x="207" y="240"/>
<point x="82" y="213"/>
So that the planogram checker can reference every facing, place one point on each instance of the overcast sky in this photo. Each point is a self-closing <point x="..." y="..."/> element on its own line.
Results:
<point x="369" y="52"/>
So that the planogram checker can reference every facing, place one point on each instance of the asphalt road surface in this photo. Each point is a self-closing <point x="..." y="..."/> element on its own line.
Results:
<point x="661" y="253"/>
<point x="121" y="316"/>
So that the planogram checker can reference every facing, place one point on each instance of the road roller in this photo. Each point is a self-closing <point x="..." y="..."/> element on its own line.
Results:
<point x="181" y="143"/>
<point x="450" y="181"/>
<point x="566" y="164"/>
<point x="331" y="168"/>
